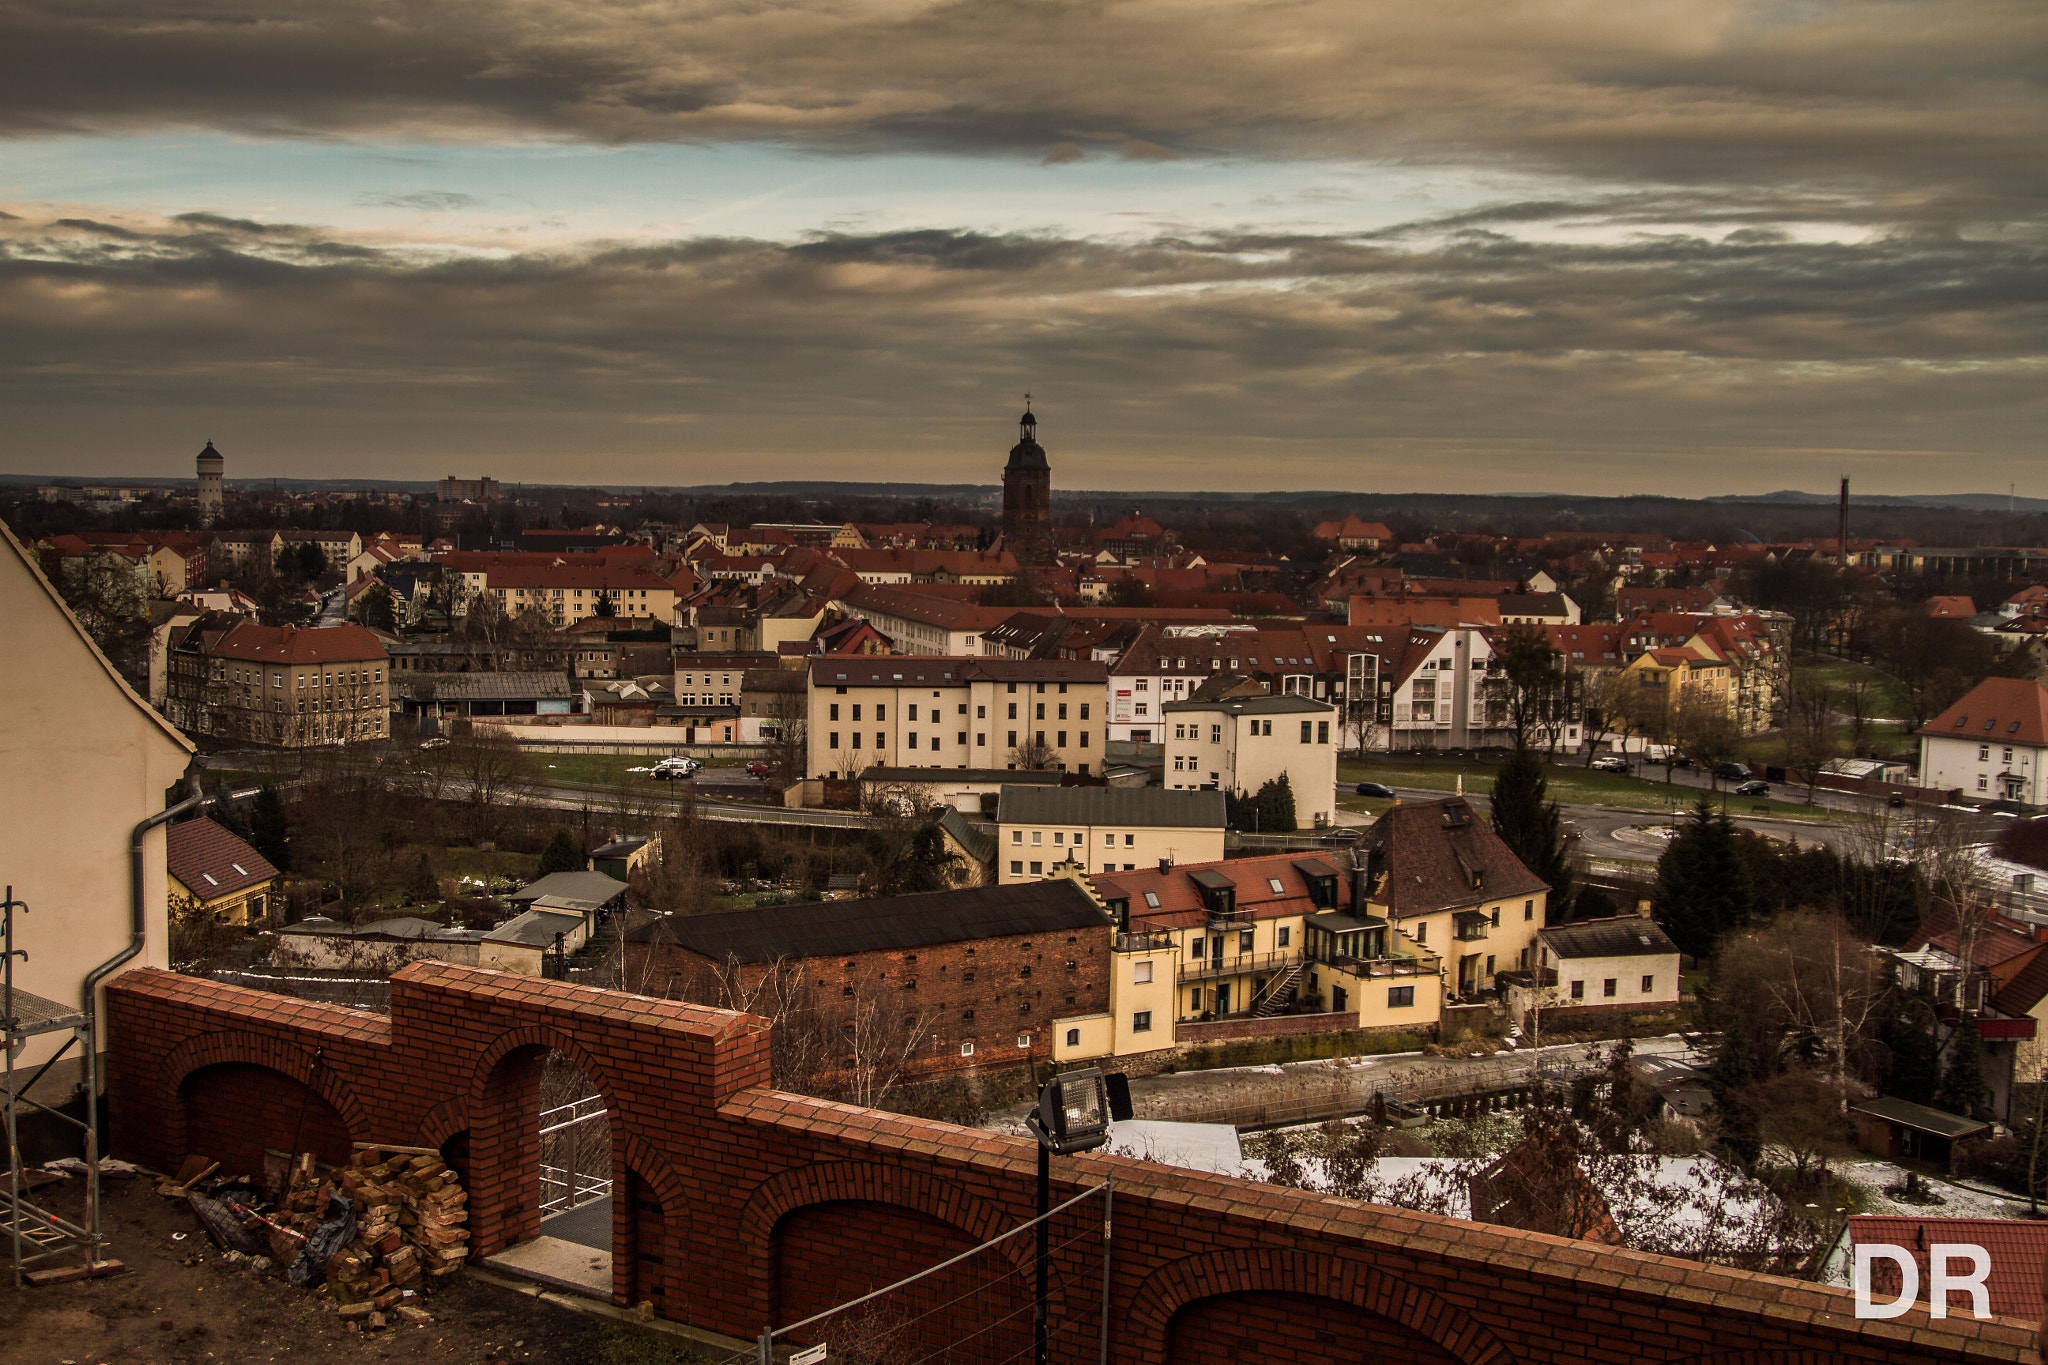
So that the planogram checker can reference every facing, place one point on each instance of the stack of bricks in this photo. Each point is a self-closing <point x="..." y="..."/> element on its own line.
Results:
<point x="411" y="1219"/>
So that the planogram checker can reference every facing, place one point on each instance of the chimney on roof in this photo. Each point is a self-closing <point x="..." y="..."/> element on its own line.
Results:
<point x="1842" y="527"/>
<point x="1166" y="864"/>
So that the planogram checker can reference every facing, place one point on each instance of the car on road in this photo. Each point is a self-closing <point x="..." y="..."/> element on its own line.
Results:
<point x="1754" y="787"/>
<point x="435" y="743"/>
<point x="1372" y="789"/>
<point x="1731" y="772"/>
<point x="760" y="767"/>
<point x="1613" y="763"/>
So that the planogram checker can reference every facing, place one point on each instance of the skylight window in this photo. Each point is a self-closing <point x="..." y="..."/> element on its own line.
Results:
<point x="1278" y="889"/>
<point x="1152" y="900"/>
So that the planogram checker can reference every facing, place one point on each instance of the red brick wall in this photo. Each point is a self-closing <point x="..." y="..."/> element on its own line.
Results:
<point x="1279" y="1026"/>
<point x="1235" y="1329"/>
<point x="987" y="992"/>
<point x="755" y="1186"/>
<point x="238" y="1110"/>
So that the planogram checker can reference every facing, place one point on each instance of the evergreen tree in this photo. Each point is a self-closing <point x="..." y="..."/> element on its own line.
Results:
<point x="1732" y="1079"/>
<point x="1703" y="889"/>
<point x="561" y="855"/>
<point x="1962" y="1081"/>
<point x="269" y="828"/>
<point x="1276" y="806"/>
<point x="1527" y="821"/>
<point x="423" y="887"/>
<point x="1915" y="1071"/>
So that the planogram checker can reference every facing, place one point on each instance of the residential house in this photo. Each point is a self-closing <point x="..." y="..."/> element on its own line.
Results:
<point x="1239" y="743"/>
<point x="1991" y="744"/>
<point x="564" y="591"/>
<point x="216" y="874"/>
<point x="1355" y="533"/>
<point x="1618" y="966"/>
<point x="87" y="766"/>
<point x="1447" y="885"/>
<point x="1042" y="831"/>
<point x="925" y="623"/>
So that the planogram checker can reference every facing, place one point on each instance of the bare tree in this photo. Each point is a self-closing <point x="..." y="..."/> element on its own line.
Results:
<point x="489" y="773"/>
<point x="1032" y="756"/>
<point x="1810" y="730"/>
<point x="1704" y="729"/>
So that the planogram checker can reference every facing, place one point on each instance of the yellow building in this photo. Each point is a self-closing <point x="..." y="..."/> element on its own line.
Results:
<point x="1043" y="831"/>
<point x="928" y="712"/>
<point x="215" y="873"/>
<point x="1657" y="681"/>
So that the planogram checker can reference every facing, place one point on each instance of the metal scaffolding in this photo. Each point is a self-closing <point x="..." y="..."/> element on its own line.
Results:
<point x="37" y="1238"/>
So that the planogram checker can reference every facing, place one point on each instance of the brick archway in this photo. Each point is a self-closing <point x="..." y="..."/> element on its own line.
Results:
<point x="1193" y="1278"/>
<point x="218" y="1048"/>
<point x="863" y="1183"/>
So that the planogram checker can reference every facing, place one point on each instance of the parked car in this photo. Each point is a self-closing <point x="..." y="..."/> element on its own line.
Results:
<point x="1612" y="763"/>
<point x="674" y="769"/>
<point x="760" y="767"/>
<point x="1754" y="787"/>
<point x="435" y="743"/>
<point x="1372" y="789"/>
<point x="1731" y="772"/>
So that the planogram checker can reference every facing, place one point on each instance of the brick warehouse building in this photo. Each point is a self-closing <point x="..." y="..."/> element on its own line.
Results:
<point x="985" y="970"/>
<point x="738" y="1203"/>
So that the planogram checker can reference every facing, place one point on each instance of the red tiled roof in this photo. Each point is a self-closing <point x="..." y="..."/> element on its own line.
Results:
<point x="1180" y="900"/>
<point x="2013" y="710"/>
<point x="2016" y="1248"/>
<point x="211" y="861"/>
<point x="293" y="645"/>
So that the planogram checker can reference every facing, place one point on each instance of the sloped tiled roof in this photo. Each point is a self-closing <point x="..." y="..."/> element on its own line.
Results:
<point x="1180" y="897"/>
<point x="1438" y="855"/>
<point x="291" y="645"/>
<point x="2005" y="710"/>
<point x="1625" y="936"/>
<point x="211" y="861"/>
<point x="1139" y="806"/>
<point x="2016" y="1247"/>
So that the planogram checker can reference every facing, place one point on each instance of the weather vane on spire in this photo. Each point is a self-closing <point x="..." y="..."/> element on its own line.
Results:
<point x="1027" y="400"/>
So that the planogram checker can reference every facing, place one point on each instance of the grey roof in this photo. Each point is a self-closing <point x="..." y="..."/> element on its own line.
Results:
<point x="535" y="928"/>
<point x="1153" y="806"/>
<point x="1918" y="1116"/>
<point x="1338" y="923"/>
<point x="571" y="890"/>
<point x="977" y="845"/>
<point x="1256" y="706"/>
<point x="620" y="848"/>
<point x="1627" y="936"/>
<point x="841" y="928"/>
<point x="405" y="928"/>
<point x="1046" y="777"/>
<point x="487" y="686"/>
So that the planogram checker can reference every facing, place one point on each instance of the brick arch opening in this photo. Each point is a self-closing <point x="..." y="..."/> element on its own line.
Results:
<point x="288" y="1072"/>
<point x="1271" y="1278"/>
<point x="1305" y="1329"/>
<point x="234" y="1111"/>
<point x="830" y="1253"/>
<point x="859" y="1182"/>
<point x="504" y="1138"/>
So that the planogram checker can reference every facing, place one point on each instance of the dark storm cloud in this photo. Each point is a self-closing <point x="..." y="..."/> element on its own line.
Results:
<point x="1447" y="358"/>
<point x="1677" y="91"/>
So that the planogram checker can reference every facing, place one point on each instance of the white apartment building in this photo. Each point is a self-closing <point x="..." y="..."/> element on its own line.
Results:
<point x="1991" y="745"/>
<point x="1238" y="744"/>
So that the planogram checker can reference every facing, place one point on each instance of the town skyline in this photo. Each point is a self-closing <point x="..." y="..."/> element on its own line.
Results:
<point x="1724" y="248"/>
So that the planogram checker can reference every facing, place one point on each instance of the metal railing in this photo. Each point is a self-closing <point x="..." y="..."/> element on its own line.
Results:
<point x="1430" y="965"/>
<point x="1140" y="943"/>
<point x="1236" y="964"/>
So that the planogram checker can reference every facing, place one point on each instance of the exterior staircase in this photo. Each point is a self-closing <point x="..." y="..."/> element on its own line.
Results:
<point x="1279" y="994"/>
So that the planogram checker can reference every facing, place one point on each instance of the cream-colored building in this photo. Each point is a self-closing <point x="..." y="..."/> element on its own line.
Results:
<point x="1238" y="744"/>
<point x="1046" y="831"/>
<point x="1448" y="887"/>
<point x="919" y="712"/>
<point x="84" y="763"/>
<point x="1623" y="964"/>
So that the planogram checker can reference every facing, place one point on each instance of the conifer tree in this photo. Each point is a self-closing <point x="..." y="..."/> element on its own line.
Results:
<point x="1528" y="822"/>
<point x="1962" y="1081"/>
<point x="1703" y="888"/>
<point x="561" y="855"/>
<point x="270" y="828"/>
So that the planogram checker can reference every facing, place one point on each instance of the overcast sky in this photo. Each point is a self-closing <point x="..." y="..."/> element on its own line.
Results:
<point x="1682" y="246"/>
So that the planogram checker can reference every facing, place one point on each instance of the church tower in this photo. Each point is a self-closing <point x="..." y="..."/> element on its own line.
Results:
<point x="1027" y="493"/>
<point x="211" y="466"/>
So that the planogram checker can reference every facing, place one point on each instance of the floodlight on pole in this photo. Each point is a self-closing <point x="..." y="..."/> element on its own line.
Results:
<point x="1074" y="1111"/>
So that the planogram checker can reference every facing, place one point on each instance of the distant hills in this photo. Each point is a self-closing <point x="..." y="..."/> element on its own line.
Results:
<point x="1966" y="502"/>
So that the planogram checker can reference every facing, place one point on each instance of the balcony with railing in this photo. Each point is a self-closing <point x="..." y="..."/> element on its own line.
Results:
<point x="1140" y="943"/>
<point x="1237" y="964"/>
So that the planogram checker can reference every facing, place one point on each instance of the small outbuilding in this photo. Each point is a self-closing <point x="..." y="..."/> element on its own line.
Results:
<point x="1912" y="1134"/>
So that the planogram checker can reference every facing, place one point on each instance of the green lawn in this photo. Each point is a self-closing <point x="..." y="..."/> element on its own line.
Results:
<point x="1570" y="784"/>
<point x="460" y="860"/>
<point x="1841" y="673"/>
